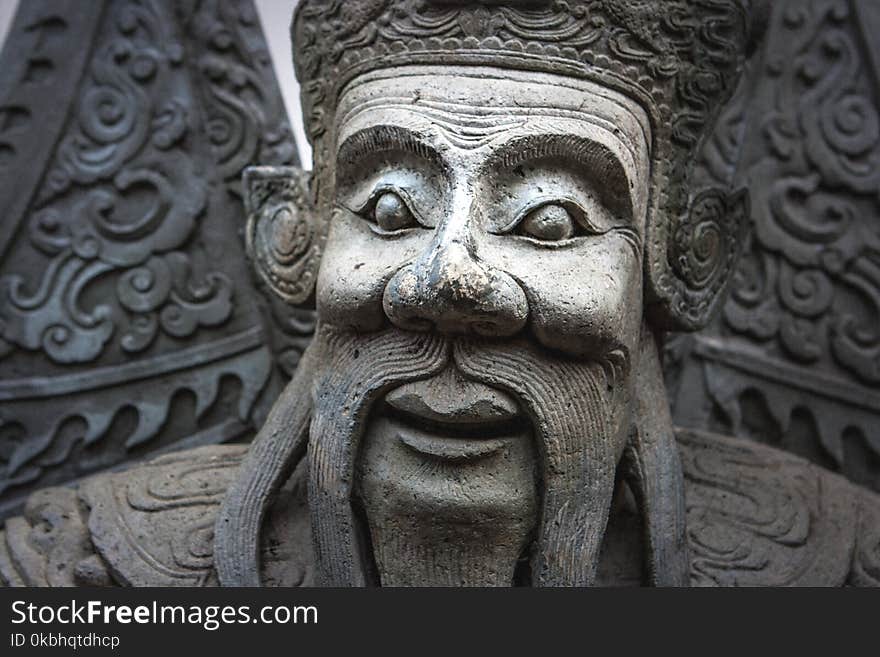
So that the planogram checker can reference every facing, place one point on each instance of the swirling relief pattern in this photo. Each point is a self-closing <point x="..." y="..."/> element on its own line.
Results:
<point x="800" y="332"/>
<point x="125" y="292"/>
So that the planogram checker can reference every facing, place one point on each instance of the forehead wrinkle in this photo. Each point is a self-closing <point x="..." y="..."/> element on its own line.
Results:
<point x="632" y="110"/>
<point x="427" y="128"/>
<point x="470" y="125"/>
<point x="416" y="77"/>
<point x="436" y="126"/>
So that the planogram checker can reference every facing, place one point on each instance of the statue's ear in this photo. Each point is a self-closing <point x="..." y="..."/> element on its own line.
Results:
<point x="690" y="262"/>
<point x="284" y="238"/>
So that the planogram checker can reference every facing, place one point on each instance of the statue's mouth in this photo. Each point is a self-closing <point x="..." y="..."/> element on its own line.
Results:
<point x="450" y="418"/>
<point x="447" y="470"/>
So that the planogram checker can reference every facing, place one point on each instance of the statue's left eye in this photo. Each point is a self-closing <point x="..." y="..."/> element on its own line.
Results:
<point x="549" y="223"/>
<point x="391" y="212"/>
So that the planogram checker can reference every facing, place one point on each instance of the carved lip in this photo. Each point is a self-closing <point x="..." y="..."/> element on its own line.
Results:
<point x="454" y="402"/>
<point x="454" y="419"/>
<point x="451" y="449"/>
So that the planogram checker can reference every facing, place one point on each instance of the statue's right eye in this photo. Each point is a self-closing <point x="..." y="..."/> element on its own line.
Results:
<point x="549" y="223"/>
<point x="390" y="212"/>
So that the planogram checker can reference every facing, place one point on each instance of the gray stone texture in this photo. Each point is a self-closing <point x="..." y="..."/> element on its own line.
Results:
<point x="129" y="320"/>
<point x="793" y="359"/>
<point x="512" y="203"/>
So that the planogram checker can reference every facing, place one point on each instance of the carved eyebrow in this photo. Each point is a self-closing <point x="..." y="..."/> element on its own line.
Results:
<point x="383" y="139"/>
<point x="594" y="160"/>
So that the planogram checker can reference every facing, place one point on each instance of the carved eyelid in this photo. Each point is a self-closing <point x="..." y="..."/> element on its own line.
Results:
<point x="584" y="155"/>
<point x="579" y="214"/>
<point x="378" y="191"/>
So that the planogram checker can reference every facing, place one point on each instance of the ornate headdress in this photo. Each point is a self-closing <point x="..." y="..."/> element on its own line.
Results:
<point x="680" y="59"/>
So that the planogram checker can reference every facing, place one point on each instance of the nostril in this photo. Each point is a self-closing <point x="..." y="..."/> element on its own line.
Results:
<point x="487" y="328"/>
<point x="414" y="321"/>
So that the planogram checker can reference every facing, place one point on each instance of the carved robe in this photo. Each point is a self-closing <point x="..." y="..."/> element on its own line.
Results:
<point x="756" y="516"/>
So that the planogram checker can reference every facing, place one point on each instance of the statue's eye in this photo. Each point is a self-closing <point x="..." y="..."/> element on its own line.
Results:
<point x="549" y="223"/>
<point x="391" y="212"/>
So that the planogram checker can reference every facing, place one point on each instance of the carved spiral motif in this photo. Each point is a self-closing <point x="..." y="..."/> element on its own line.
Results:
<point x="703" y="245"/>
<point x="851" y="125"/>
<point x="107" y="114"/>
<point x="807" y="293"/>
<point x="219" y="130"/>
<point x="143" y="289"/>
<point x="282" y="237"/>
<point x="839" y="119"/>
<point x="705" y="256"/>
<point x="291" y="234"/>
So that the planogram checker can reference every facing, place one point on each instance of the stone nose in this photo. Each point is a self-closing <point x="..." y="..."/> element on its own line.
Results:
<point x="448" y="289"/>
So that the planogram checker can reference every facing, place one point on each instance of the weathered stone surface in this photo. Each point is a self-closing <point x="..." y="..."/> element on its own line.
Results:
<point x="756" y="516"/>
<point x="793" y="360"/>
<point x="152" y="525"/>
<point x="504" y="219"/>
<point x="129" y="321"/>
<point x="500" y="195"/>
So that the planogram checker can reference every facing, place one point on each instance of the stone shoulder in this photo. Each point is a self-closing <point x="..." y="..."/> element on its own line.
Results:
<point x="757" y="515"/>
<point x="151" y="525"/>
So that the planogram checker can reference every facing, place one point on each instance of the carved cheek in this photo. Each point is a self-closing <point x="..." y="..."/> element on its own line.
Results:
<point x="583" y="300"/>
<point x="355" y="269"/>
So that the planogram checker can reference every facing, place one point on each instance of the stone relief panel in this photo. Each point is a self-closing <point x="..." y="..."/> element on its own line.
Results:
<point x="129" y="319"/>
<point x="794" y="357"/>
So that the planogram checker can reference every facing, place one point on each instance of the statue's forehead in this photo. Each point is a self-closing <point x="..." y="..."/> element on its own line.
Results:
<point x="483" y="102"/>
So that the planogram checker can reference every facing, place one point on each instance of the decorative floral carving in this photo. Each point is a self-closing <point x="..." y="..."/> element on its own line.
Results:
<point x="230" y="56"/>
<point x="800" y="331"/>
<point x="818" y="178"/>
<point x="125" y="294"/>
<point x="136" y="203"/>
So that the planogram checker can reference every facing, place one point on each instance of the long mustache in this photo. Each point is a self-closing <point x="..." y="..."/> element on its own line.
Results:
<point x="568" y="402"/>
<point x="359" y="372"/>
<point x="570" y="405"/>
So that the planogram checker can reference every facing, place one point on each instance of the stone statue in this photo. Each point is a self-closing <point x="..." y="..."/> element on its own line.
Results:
<point x="500" y="227"/>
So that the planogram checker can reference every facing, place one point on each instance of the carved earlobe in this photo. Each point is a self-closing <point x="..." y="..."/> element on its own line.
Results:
<point x="285" y="237"/>
<point x="691" y="261"/>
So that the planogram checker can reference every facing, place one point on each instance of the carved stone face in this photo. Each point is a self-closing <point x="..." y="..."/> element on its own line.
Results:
<point x="481" y="297"/>
<point x="485" y="202"/>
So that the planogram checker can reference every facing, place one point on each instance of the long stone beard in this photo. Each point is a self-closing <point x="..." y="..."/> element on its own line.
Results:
<point x="576" y="409"/>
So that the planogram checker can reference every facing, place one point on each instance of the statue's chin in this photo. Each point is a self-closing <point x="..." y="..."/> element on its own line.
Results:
<point x="447" y="479"/>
